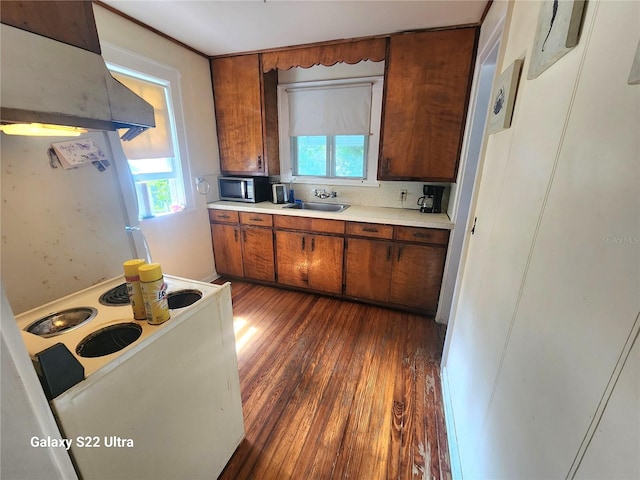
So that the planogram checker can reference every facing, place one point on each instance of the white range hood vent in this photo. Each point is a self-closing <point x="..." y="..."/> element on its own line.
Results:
<point x="46" y="81"/>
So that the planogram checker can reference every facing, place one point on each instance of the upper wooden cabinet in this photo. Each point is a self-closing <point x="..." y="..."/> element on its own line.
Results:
<point x="426" y="94"/>
<point x="246" y="116"/>
<point x="70" y="22"/>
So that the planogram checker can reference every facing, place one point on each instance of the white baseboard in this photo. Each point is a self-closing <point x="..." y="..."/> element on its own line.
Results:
<point x="454" y="456"/>
<point x="211" y="278"/>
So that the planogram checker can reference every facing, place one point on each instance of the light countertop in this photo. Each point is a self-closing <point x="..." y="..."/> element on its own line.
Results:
<point x="355" y="213"/>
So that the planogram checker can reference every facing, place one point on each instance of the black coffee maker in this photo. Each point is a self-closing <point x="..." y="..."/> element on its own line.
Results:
<point x="432" y="200"/>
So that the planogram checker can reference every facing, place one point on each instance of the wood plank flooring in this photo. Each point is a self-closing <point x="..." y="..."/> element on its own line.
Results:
<point x="335" y="389"/>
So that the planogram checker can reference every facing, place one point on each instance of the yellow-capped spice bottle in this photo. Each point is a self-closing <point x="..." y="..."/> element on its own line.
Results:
<point x="132" y="279"/>
<point x="154" y="291"/>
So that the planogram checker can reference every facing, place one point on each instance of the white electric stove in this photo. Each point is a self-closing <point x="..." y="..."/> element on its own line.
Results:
<point x="106" y="315"/>
<point x="168" y="404"/>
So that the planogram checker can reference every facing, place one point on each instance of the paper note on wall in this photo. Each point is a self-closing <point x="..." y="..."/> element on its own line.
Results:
<point x="79" y="152"/>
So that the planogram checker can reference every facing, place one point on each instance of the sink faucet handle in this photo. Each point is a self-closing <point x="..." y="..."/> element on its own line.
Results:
<point x="324" y="194"/>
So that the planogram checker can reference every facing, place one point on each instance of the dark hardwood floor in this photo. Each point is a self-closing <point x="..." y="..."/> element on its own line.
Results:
<point x="335" y="389"/>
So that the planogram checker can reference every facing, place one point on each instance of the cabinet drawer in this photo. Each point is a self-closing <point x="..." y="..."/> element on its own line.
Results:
<point x="370" y="230"/>
<point x="259" y="219"/>
<point x="422" y="235"/>
<point x="315" y="225"/>
<point x="223" y="216"/>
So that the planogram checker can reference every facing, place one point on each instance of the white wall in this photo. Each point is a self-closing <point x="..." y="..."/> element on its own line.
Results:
<point x="25" y="412"/>
<point x="549" y="298"/>
<point x="62" y="230"/>
<point x="180" y="242"/>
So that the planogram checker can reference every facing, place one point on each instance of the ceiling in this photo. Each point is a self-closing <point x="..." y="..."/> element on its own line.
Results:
<point x="223" y="27"/>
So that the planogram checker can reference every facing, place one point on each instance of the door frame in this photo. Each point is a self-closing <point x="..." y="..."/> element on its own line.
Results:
<point x="465" y="195"/>
<point x="463" y="213"/>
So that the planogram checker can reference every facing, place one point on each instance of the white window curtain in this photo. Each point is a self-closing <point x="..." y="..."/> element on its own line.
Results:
<point x="155" y="142"/>
<point x="331" y="110"/>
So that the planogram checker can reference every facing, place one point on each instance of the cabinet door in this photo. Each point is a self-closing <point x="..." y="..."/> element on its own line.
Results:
<point x="257" y="253"/>
<point x="227" y="249"/>
<point x="238" y="106"/>
<point x="325" y="263"/>
<point x="368" y="269"/>
<point x="417" y="276"/>
<point x="291" y="258"/>
<point x="426" y="95"/>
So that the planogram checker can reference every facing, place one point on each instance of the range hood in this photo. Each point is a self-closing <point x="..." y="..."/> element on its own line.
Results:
<point x="46" y="81"/>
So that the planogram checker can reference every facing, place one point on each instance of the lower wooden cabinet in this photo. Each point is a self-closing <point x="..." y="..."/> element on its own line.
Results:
<point x="311" y="261"/>
<point x="227" y="249"/>
<point x="398" y="273"/>
<point x="257" y="253"/>
<point x="368" y="269"/>
<point x="416" y="276"/>
<point x="397" y="266"/>
<point x="243" y="245"/>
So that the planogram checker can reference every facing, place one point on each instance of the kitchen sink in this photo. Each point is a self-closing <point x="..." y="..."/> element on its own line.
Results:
<point x="318" y="206"/>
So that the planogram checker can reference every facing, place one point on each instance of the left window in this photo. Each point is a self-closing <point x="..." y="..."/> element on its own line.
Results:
<point x="154" y="156"/>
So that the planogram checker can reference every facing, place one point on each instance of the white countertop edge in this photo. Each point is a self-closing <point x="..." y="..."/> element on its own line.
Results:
<point x="355" y="213"/>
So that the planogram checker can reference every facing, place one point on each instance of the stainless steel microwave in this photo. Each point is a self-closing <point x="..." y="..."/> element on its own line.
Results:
<point x="245" y="189"/>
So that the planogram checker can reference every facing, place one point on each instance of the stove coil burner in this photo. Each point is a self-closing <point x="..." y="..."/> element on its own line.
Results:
<point x="109" y="340"/>
<point x="183" y="298"/>
<point x="61" y="322"/>
<point x="117" y="296"/>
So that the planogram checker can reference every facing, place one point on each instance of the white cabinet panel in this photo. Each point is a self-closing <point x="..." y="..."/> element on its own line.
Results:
<point x="618" y="434"/>
<point x="580" y="295"/>
<point x="550" y="288"/>
<point x="517" y="168"/>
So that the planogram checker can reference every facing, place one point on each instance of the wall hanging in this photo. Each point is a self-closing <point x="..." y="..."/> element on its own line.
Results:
<point x="558" y="32"/>
<point x="77" y="153"/>
<point x="504" y="97"/>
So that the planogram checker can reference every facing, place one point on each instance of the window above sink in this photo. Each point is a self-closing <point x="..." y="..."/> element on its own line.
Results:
<point x="338" y="143"/>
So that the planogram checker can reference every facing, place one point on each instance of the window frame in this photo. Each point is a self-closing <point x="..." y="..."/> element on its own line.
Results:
<point x="330" y="141"/>
<point x="128" y="63"/>
<point x="371" y="163"/>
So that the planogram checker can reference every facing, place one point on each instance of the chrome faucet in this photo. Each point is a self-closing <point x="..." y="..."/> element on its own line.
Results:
<point x="324" y="194"/>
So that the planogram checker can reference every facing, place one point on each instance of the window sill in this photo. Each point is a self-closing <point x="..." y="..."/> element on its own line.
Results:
<point x="166" y="216"/>
<point x="329" y="181"/>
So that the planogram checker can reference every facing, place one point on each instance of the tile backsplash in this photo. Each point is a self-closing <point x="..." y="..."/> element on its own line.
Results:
<point x="387" y="194"/>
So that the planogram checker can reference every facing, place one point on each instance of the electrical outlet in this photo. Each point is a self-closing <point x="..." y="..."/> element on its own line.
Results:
<point x="403" y="195"/>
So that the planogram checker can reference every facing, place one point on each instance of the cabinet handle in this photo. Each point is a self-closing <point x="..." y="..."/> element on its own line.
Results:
<point x="399" y="253"/>
<point x="235" y="235"/>
<point x="244" y="236"/>
<point x="387" y="164"/>
<point x="223" y="216"/>
<point x="259" y="161"/>
<point x="421" y="235"/>
<point x="255" y="219"/>
<point x="388" y="253"/>
<point x="302" y="243"/>
<point x="313" y="243"/>
<point x="370" y="229"/>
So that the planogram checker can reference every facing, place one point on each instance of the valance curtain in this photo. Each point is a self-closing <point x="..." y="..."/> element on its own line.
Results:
<point x="155" y="142"/>
<point x="330" y="110"/>
<point x="351" y="52"/>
